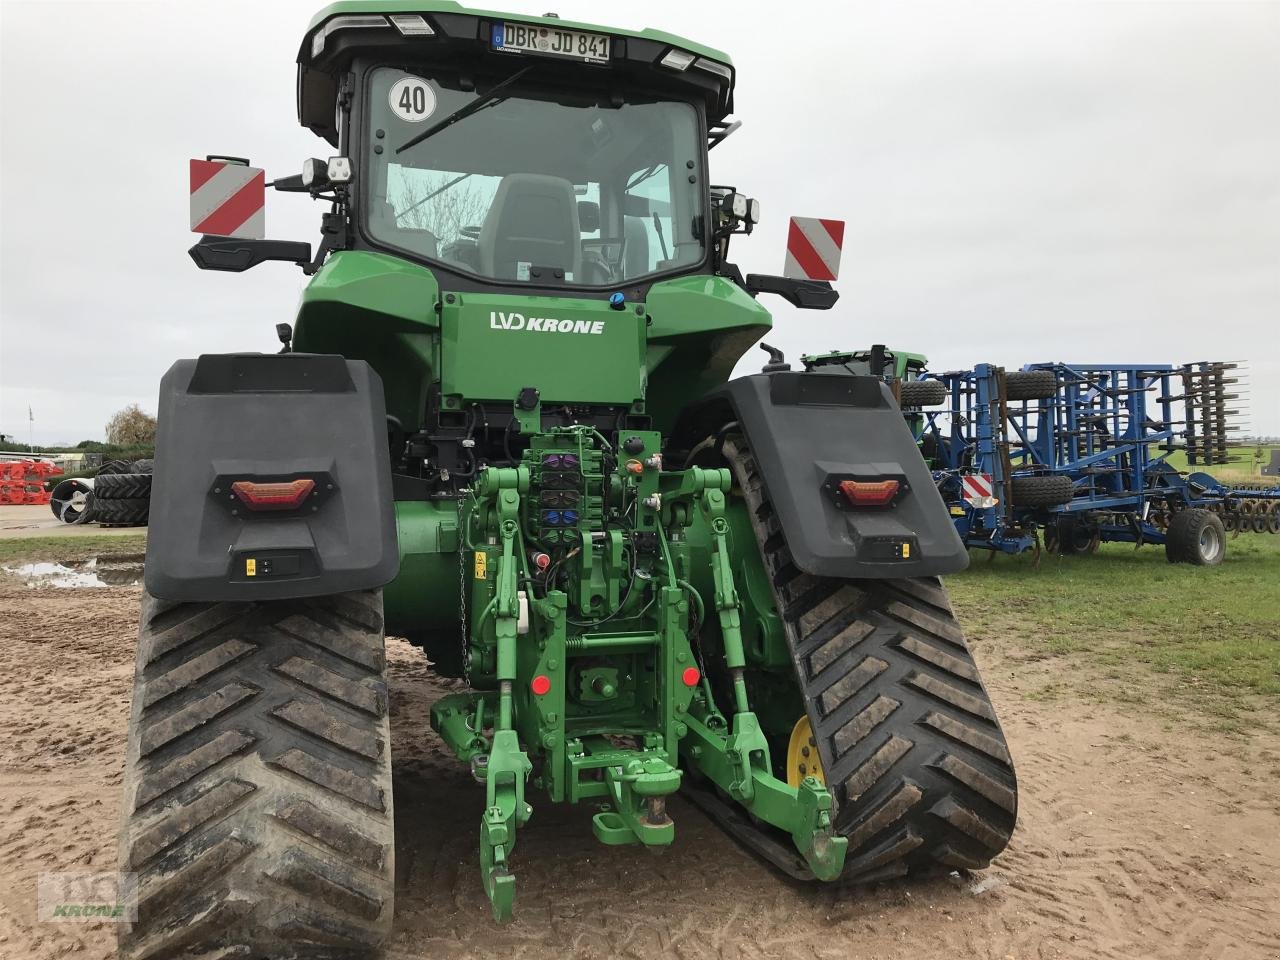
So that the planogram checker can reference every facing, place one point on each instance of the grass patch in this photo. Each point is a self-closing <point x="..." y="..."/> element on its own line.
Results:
<point x="1124" y="615"/>
<point x="72" y="548"/>
<point x="1241" y="469"/>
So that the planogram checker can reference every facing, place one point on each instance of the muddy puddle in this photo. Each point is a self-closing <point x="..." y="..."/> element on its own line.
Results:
<point x="74" y="574"/>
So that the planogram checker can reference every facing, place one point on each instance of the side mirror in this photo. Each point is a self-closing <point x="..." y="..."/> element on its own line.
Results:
<point x="284" y="332"/>
<point x="236" y="256"/>
<point x="291" y="184"/>
<point x="588" y="216"/>
<point x="805" y="294"/>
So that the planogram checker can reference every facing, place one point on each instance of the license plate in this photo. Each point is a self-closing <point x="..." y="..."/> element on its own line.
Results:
<point x="550" y="42"/>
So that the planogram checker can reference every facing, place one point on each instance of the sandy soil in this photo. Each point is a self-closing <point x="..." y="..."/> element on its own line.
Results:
<point x="1133" y="841"/>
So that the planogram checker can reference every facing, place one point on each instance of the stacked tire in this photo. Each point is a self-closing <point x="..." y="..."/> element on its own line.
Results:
<point x="1030" y="385"/>
<point x="122" y="493"/>
<point x="1041" y="491"/>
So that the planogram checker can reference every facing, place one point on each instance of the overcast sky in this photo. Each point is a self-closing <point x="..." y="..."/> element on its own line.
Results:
<point x="1023" y="182"/>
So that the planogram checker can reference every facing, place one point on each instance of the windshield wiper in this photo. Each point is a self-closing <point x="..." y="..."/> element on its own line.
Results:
<point x="466" y="110"/>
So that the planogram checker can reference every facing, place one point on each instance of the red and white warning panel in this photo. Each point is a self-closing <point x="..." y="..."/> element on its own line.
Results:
<point x="228" y="199"/>
<point x="813" y="249"/>
<point x="977" y="488"/>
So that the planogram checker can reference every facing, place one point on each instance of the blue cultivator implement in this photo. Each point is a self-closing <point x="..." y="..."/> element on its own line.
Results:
<point x="1079" y="451"/>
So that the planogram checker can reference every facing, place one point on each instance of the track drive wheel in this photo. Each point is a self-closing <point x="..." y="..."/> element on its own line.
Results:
<point x="802" y="754"/>
<point x="906" y="735"/>
<point x="257" y="809"/>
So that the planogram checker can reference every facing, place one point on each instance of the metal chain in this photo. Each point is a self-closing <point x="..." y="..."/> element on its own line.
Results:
<point x="462" y="587"/>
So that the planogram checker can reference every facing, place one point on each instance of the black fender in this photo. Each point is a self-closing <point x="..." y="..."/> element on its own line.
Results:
<point x="808" y="431"/>
<point x="270" y="418"/>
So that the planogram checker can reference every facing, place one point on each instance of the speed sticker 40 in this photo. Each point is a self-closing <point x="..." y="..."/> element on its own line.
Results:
<point x="412" y="99"/>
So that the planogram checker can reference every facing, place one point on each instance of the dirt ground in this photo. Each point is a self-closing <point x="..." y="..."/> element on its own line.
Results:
<point x="37" y="520"/>
<point x="1137" y="837"/>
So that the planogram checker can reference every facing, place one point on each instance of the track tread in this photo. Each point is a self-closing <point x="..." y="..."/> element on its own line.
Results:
<point x="308" y="876"/>
<point x="201" y="869"/>
<point x="914" y="755"/>
<point x="332" y="640"/>
<point x="175" y="626"/>
<point x="977" y="781"/>
<point x="849" y="734"/>
<point x="358" y="694"/>
<point x="194" y="715"/>
<point x="258" y="809"/>
<point x="192" y="671"/>
<point x="937" y="657"/>
<point x="314" y="719"/>
<point x="834" y="689"/>
<point x="206" y="805"/>
<point x="948" y="693"/>
<point x="188" y="766"/>
<point x="335" y="779"/>
<point x="305" y="817"/>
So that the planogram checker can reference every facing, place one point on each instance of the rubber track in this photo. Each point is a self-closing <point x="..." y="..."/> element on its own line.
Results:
<point x="257" y="802"/>
<point x="917" y="763"/>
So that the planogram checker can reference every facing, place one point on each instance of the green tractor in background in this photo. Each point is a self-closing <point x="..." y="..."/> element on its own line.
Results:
<point x="503" y="427"/>
<point x="900" y="369"/>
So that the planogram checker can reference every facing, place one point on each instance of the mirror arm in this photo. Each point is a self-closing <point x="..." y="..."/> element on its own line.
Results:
<point x="237" y="255"/>
<point x="291" y="184"/>
<point x="805" y="294"/>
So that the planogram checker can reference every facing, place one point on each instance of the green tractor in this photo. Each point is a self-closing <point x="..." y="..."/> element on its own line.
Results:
<point x="898" y="368"/>
<point x="502" y="426"/>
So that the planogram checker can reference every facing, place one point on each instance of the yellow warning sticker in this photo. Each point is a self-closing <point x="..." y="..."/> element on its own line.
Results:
<point x="957" y="510"/>
<point x="482" y="565"/>
<point x="250" y="567"/>
<point x="906" y="551"/>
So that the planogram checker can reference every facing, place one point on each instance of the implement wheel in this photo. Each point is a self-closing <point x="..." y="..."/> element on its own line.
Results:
<point x="921" y="393"/>
<point x="1196" y="537"/>
<point x="1041" y="491"/>
<point x="257" y="809"/>
<point x="906" y="736"/>
<point x="1030" y="385"/>
<point x="1075" y="536"/>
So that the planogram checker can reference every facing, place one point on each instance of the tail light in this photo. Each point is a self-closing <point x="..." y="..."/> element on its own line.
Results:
<point x="287" y="495"/>
<point x="869" y="493"/>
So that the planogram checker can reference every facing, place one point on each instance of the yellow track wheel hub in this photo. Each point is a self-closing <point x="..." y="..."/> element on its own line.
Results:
<point x="802" y="755"/>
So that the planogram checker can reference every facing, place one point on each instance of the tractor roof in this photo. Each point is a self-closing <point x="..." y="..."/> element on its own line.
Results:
<point x="452" y="32"/>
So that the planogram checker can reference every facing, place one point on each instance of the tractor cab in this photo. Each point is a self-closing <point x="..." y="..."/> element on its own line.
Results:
<point x="517" y="153"/>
